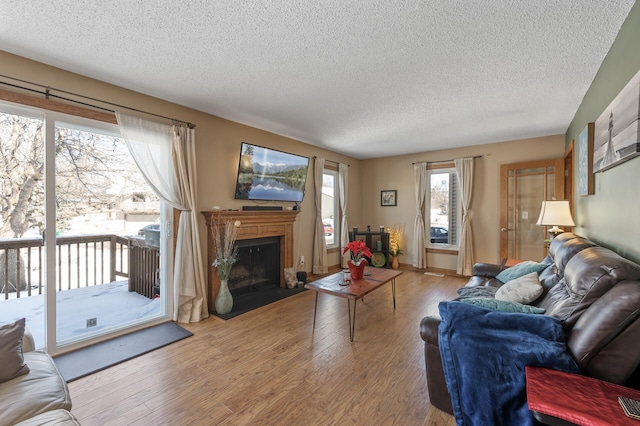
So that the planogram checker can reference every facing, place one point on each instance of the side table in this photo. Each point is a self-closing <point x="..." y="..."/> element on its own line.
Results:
<point x="559" y="398"/>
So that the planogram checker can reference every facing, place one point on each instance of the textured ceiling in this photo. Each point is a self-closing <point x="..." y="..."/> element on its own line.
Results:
<point x="367" y="79"/>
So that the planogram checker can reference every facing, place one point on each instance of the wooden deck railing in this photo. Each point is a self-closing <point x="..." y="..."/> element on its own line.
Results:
<point x="81" y="261"/>
<point x="144" y="263"/>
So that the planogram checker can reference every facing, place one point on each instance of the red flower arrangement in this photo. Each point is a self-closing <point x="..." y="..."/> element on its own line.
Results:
<point x="358" y="251"/>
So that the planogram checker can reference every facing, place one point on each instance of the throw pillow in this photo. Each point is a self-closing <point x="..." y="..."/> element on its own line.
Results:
<point x="11" y="358"/>
<point x="524" y="290"/>
<point x="502" y="306"/>
<point x="466" y="292"/>
<point x="520" y="269"/>
<point x="290" y="277"/>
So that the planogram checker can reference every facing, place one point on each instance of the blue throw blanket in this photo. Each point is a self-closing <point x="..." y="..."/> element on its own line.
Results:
<point x="484" y="354"/>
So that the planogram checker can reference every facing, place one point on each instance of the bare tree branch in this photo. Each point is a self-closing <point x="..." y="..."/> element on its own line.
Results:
<point x="94" y="173"/>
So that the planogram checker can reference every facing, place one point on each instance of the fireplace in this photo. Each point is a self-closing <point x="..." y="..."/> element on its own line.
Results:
<point x="262" y="224"/>
<point x="257" y="265"/>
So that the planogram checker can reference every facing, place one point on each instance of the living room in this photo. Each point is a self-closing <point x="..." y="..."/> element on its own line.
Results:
<point x="605" y="217"/>
<point x="219" y="143"/>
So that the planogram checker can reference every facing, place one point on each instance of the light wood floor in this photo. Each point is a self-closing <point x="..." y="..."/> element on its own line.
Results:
<point x="268" y="367"/>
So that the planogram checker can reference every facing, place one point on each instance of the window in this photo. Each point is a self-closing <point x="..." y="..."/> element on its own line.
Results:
<point x="330" y="207"/>
<point x="443" y="208"/>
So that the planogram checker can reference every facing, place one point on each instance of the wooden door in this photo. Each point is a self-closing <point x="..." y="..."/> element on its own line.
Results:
<point x="523" y="187"/>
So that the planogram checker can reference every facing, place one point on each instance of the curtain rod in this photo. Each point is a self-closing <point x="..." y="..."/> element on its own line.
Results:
<point x="47" y="94"/>
<point x="442" y="161"/>
<point x="331" y="161"/>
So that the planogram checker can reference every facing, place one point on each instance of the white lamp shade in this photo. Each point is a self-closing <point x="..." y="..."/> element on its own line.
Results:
<point x="555" y="213"/>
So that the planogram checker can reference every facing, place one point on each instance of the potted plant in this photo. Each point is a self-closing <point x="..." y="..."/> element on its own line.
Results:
<point x="394" y="246"/>
<point x="359" y="252"/>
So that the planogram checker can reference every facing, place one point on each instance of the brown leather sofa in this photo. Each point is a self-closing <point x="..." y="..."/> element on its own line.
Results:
<point x="593" y="291"/>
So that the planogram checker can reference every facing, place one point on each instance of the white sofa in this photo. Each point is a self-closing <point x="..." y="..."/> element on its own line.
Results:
<point x="40" y="397"/>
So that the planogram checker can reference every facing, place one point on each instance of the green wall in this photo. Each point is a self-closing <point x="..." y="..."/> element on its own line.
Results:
<point x="610" y="217"/>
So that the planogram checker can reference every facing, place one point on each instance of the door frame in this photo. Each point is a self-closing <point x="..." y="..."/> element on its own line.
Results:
<point x="568" y="174"/>
<point x="559" y="189"/>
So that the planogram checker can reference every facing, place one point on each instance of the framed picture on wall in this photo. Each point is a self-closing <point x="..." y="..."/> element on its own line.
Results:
<point x="388" y="197"/>
<point x="617" y="129"/>
<point x="585" y="161"/>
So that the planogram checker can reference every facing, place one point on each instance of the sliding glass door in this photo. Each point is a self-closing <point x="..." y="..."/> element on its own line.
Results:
<point x="22" y="281"/>
<point x="90" y="248"/>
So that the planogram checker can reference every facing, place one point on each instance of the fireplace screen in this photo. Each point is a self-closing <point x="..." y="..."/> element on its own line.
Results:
<point x="257" y="266"/>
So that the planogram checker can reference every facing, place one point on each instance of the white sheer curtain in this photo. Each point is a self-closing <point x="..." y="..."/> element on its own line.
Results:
<point x="420" y="189"/>
<point x="464" y="172"/>
<point x="319" y="245"/>
<point x="343" y="186"/>
<point x="166" y="157"/>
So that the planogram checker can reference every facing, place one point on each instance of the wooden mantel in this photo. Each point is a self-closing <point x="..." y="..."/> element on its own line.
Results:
<point x="253" y="224"/>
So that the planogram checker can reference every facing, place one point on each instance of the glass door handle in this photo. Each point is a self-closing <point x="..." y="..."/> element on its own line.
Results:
<point x="504" y="229"/>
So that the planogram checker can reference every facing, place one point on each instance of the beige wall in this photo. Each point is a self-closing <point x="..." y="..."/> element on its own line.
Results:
<point x="397" y="173"/>
<point x="604" y="217"/>
<point x="218" y="149"/>
<point x="217" y="146"/>
<point x="218" y="154"/>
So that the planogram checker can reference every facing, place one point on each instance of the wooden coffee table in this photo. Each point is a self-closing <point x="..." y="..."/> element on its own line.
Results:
<point x="353" y="290"/>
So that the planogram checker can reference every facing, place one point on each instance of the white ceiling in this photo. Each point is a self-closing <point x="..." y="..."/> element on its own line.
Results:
<point x="363" y="78"/>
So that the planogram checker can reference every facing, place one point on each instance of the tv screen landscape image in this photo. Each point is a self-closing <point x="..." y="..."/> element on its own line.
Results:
<point x="270" y="175"/>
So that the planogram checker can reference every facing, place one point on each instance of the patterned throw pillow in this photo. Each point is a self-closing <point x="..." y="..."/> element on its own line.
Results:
<point x="520" y="269"/>
<point x="502" y="306"/>
<point x="524" y="290"/>
<point x="479" y="291"/>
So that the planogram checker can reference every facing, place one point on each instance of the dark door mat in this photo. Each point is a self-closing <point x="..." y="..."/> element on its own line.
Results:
<point x="85" y="361"/>
<point x="245" y="302"/>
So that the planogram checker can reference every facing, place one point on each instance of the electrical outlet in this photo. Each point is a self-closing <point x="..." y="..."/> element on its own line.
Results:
<point x="301" y="260"/>
<point x="92" y="322"/>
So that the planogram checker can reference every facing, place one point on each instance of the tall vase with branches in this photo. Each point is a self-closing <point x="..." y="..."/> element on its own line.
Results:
<point x="224" y="240"/>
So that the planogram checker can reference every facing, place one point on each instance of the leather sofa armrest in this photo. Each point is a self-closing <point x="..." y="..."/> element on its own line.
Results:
<point x="487" y="270"/>
<point x="436" y="383"/>
<point x="429" y="329"/>
<point x="28" y="342"/>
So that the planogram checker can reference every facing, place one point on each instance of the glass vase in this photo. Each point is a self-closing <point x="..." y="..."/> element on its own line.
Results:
<point x="224" y="299"/>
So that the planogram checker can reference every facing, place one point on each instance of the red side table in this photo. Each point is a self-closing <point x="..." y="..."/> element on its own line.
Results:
<point x="558" y="398"/>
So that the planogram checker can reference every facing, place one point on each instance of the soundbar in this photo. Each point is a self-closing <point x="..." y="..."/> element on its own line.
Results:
<point x="261" y="207"/>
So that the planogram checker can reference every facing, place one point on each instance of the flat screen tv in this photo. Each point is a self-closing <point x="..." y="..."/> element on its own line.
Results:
<point x="270" y="175"/>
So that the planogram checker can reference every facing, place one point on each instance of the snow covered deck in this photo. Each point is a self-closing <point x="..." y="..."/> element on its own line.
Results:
<point x="111" y="304"/>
